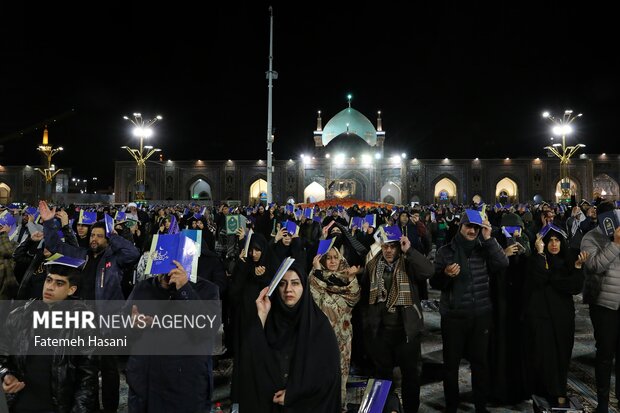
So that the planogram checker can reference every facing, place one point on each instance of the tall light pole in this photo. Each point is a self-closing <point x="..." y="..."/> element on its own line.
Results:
<point x="271" y="76"/>
<point x="562" y="127"/>
<point x="48" y="152"/>
<point x="142" y="130"/>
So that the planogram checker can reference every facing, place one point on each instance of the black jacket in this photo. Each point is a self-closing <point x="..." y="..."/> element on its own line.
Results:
<point x="73" y="378"/>
<point x="486" y="258"/>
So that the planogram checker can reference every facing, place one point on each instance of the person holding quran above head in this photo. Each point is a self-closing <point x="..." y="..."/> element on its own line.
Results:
<point x="295" y="362"/>
<point x="253" y="272"/>
<point x="287" y="244"/>
<point x="169" y="383"/>
<point x="335" y="289"/>
<point x="553" y="277"/>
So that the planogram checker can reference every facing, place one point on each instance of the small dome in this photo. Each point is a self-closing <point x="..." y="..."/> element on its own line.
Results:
<point x="351" y="122"/>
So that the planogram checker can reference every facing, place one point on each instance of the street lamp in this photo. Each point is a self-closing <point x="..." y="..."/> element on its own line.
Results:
<point x="562" y="127"/>
<point x="142" y="130"/>
<point x="48" y="152"/>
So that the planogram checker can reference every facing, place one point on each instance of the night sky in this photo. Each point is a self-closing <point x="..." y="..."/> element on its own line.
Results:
<point x="461" y="81"/>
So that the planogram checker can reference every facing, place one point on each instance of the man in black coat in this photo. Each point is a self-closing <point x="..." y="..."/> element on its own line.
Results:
<point x="58" y="381"/>
<point x="170" y="383"/>
<point x="462" y="274"/>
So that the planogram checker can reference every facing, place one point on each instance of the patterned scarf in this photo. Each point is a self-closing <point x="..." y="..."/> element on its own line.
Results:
<point x="399" y="294"/>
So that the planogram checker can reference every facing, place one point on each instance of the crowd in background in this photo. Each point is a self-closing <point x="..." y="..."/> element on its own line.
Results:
<point x="507" y="275"/>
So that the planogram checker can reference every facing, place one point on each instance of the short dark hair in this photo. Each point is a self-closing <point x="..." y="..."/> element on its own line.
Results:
<point x="605" y="206"/>
<point x="72" y="274"/>
<point x="99" y="225"/>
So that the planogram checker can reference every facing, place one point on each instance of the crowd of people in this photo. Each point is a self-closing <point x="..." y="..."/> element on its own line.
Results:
<point x="507" y="275"/>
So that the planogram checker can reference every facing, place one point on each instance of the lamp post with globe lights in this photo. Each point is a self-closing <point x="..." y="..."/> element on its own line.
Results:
<point x="562" y="127"/>
<point x="142" y="130"/>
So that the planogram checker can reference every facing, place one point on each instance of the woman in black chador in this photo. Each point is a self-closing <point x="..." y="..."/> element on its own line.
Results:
<point x="549" y="314"/>
<point x="295" y="362"/>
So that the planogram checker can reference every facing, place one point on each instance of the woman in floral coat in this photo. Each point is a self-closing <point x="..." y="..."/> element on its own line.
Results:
<point x="335" y="290"/>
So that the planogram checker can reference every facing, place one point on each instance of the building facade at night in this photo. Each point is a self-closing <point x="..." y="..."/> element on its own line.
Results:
<point x="349" y="160"/>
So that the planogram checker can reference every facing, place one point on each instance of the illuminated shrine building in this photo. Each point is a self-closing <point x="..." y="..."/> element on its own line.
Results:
<point x="349" y="161"/>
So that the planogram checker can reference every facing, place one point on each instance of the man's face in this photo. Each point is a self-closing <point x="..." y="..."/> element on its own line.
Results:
<point x="591" y="212"/>
<point x="82" y="230"/>
<point x="98" y="241"/>
<point x="57" y="288"/>
<point x="415" y="217"/>
<point x="391" y="251"/>
<point x="24" y="219"/>
<point x="133" y="210"/>
<point x="286" y="239"/>
<point x="470" y="231"/>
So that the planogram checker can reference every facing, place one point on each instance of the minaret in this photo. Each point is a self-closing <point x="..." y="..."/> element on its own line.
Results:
<point x="319" y="126"/>
<point x="380" y="134"/>
<point x="45" y="136"/>
<point x="379" y="127"/>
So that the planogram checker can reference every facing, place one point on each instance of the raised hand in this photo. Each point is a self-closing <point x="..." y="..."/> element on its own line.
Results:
<point x="452" y="270"/>
<point x="263" y="305"/>
<point x="581" y="259"/>
<point x="45" y="212"/>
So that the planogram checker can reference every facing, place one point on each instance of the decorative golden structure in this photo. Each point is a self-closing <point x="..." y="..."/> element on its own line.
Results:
<point x="562" y="127"/>
<point x="48" y="152"/>
<point x="142" y="130"/>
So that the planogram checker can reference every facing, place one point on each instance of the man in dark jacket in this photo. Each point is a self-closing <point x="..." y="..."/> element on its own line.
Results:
<point x="462" y="274"/>
<point x="100" y="280"/>
<point x="391" y="313"/>
<point x="57" y="382"/>
<point x="170" y="383"/>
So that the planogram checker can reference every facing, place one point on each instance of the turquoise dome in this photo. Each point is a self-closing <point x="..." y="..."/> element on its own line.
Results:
<point x="352" y="122"/>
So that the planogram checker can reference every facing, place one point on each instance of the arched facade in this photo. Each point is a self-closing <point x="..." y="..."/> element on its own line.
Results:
<point x="5" y="193"/>
<point x="314" y="192"/>
<point x="390" y="193"/>
<point x="575" y="189"/>
<point x="605" y="187"/>
<point x="445" y="191"/>
<point x="199" y="188"/>
<point x="507" y="191"/>
<point x="258" y="191"/>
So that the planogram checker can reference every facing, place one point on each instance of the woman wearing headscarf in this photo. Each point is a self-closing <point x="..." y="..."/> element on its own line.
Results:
<point x="335" y="290"/>
<point x="249" y="277"/>
<point x="295" y="363"/>
<point x="553" y="278"/>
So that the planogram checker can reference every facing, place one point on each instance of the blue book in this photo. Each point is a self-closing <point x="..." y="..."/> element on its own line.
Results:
<point x="31" y="210"/>
<point x="120" y="216"/>
<point x="550" y="227"/>
<point x="174" y="225"/>
<point x="371" y="219"/>
<point x="356" y="222"/>
<point x="317" y="218"/>
<point x="291" y="227"/>
<point x="109" y="224"/>
<point x="7" y="218"/>
<point x="168" y="247"/>
<point x="375" y="395"/>
<point x="475" y="217"/>
<point x="87" y="217"/>
<point x="325" y="245"/>
<point x="64" y="260"/>
<point x="308" y="213"/>
<point x="391" y="233"/>
<point x="286" y="264"/>
<point x="506" y="233"/>
<point x="289" y="208"/>
<point x="512" y="230"/>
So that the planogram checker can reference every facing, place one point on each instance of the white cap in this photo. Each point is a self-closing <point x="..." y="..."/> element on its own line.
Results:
<point x="132" y="204"/>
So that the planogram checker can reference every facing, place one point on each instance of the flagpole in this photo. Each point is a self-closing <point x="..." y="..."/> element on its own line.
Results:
<point x="271" y="75"/>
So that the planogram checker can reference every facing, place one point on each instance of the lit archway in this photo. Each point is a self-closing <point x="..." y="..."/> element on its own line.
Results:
<point x="507" y="190"/>
<point x="200" y="189"/>
<point x="445" y="191"/>
<point x="314" y="193"/>
<point x="605" y="187"/>
<point x="258" y="191"/>
<point x="574" y="190"/>
<point x="5" y="193"/>
<point x="390" y="193"/>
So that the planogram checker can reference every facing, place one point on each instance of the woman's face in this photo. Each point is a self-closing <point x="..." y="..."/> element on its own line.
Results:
<point x="194" y="224"/>
<point x="553" y="246"/>
<point x="290" y="288"/>
<point x="200" y="224"/>
<point x="256" y="254"/>
<point x="167" y="224"/>
<point x="332" y="261"/>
